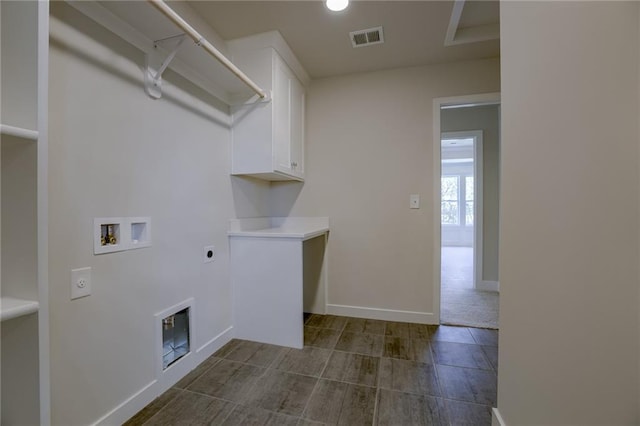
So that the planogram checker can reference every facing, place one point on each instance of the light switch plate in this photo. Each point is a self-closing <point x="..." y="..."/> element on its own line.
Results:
<point x="80" y="282"/>
<point x="414" y="201"/>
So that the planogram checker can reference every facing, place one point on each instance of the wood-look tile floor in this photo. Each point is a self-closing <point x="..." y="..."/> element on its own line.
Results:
<point x="350" y="372"/>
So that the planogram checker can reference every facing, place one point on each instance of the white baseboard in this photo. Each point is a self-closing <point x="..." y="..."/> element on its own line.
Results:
<point x="136" y="402"/>
<point x="382" y="314"/>
<point x="496" y="418"/>
<point x="488" y="286"/>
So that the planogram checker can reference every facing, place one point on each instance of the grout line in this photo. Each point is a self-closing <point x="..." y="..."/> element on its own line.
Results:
<point x="199" y="375"/>
<point x="488" y="370"/>
<point x="378" y="396"/>
<point x="159" y="409"/>
<point x="447" y="411"/>
<point x="210" y="396"/>
<point x="364" y="334"/>
<point x="345" y="381"/>
<point x="482" y="354"/>
<point x="435" y="372"/>
<point x="236" y="405"/>
<point x="262" y="367"/>
<point x="306" y="405"/>
<point x="468" y="402"/>
<point x="298" y="374"/>
<point x="326" y="364"/>
<point x="344" y="326"/>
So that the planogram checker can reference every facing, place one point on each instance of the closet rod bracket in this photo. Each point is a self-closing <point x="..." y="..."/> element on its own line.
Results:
<point x="157" y="62"/>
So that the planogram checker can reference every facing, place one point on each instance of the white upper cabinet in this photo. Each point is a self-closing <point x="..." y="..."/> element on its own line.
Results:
<point x="268" y="137"/>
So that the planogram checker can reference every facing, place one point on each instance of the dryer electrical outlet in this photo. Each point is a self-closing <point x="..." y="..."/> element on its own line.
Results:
<point x="209" y="254"/>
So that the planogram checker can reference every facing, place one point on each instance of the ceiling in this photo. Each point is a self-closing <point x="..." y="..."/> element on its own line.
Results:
<point x="414" y="31"/>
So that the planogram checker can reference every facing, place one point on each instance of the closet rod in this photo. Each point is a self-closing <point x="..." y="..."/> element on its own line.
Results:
<point x="201" y="41"/>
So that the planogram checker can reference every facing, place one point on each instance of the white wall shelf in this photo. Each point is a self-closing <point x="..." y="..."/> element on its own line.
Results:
<point x="24" y="294"/>
<point x="11" y="307"/>
<point x="18" y="132"/>
<point x="141" y="25"/>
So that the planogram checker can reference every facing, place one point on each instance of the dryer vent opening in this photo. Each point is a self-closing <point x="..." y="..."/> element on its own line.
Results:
<point x="175" y="337"/>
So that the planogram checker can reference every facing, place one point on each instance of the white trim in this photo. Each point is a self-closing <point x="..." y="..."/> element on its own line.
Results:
<point x="470" y="100"/>
<point x="120" y="414"/>
<point x="456" y="35"/>
<point x="478" y="209"/>
<point x="325" y="268"/>
<point x="476" y="34"/>
<point x="383" y="314"/>
<point x="437" y="207"/>
<point x="206" y="350"/>
<point x="140" y="399"/>
<point x="454" y="21"/>
<point x="496" y="418"/>
<point x="44" y="362"/>
<point x="488" y="286"/>
<point x="438" y="103"/>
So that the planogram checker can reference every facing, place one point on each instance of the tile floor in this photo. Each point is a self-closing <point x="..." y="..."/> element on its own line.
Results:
<point x="350" y="372"/>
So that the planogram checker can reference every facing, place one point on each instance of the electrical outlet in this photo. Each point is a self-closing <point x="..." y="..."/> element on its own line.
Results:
<point x="80" y="283"/>
<point x="209" y="254"/>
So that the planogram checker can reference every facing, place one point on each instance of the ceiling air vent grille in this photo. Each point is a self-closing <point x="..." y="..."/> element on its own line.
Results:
<point x="367" y="37"/>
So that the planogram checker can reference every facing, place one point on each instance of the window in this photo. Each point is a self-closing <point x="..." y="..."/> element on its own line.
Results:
<point x="450" y="201"/>
<point x="457" y="200"/>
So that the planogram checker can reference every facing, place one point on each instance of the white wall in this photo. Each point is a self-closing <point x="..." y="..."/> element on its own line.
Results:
<point x="116" y="152"/>
<point x="485" y="118"/>
<point x="569" y="229"/>
<point x="369" y="145"/>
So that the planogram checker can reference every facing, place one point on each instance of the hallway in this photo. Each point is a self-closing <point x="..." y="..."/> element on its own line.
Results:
<point x="461" y="303"/>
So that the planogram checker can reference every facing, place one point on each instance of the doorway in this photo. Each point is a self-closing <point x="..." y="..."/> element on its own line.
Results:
<point x="467" y="280"/>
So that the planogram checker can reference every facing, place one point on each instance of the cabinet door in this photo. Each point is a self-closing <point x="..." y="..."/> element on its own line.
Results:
<point x="282" y="116"/>
<point x="297" y="127"/>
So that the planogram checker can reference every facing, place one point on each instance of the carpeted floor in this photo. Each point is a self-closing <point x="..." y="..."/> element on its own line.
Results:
<point x="461" y="304"/>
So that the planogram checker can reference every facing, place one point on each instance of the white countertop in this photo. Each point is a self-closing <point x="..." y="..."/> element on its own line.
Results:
<point x="303" y="228"/>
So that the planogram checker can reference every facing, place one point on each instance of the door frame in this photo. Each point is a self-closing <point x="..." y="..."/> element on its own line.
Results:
<point x="438" y="103"/>
<point x="477" y="201"/>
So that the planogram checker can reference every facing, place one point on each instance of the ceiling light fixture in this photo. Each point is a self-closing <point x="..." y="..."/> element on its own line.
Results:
<point x="337" y="5"/>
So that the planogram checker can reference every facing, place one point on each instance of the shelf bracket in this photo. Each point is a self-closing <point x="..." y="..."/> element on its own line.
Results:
<point x="157" y="62"/>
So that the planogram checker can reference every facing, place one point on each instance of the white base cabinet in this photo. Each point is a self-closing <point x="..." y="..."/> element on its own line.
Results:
<point x="278" y="271"/>
<point x="267" y="290"/>
<point x="268" y="136"/>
